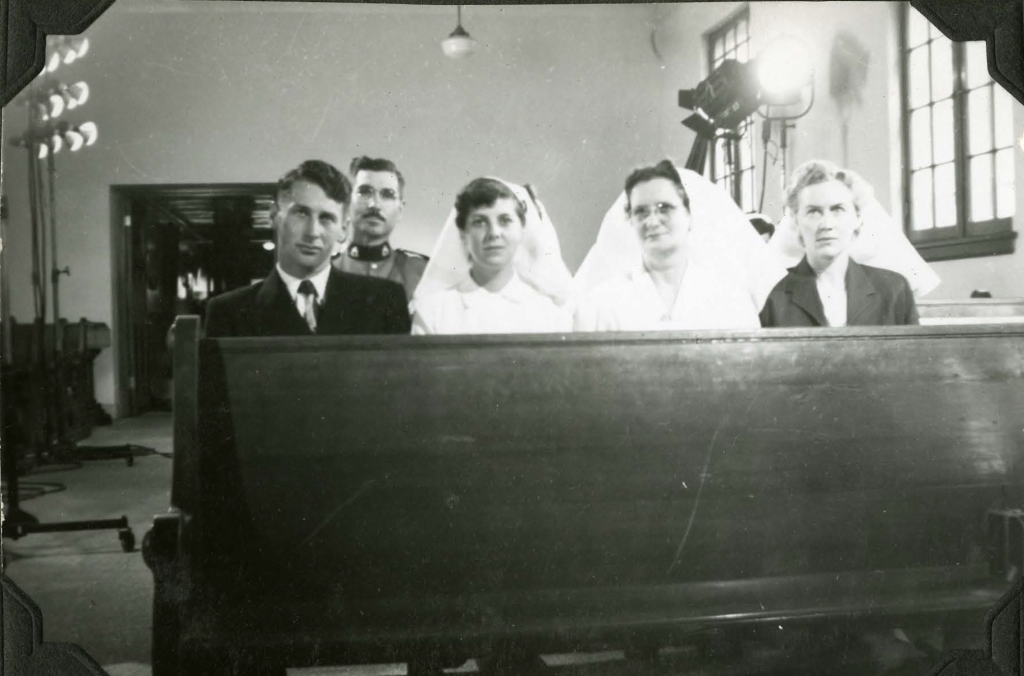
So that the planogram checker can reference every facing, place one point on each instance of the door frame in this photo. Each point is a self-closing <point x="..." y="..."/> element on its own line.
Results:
<point x="122" y="200"/>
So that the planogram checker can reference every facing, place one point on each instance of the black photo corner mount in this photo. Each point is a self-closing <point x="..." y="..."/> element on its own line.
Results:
<point x="1000" y="23"/>
<point x="24" y="25"/>
<point x="1004" y="634"/>
<point x="25" y="653"/>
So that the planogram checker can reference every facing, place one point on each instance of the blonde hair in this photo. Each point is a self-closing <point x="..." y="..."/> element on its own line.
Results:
<point x="822" y="171"/>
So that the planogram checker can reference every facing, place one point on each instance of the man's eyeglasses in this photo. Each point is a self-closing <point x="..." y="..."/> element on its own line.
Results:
<point x="365" y="192"/>
<point x="641" y="211"/>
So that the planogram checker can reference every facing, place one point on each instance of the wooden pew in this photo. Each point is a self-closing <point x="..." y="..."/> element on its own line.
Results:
<point x="972" y="311"/>
<point x="357" y="499"/>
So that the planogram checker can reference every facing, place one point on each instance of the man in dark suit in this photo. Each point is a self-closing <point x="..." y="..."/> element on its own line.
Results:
<point x="304" y="295"/>
<point x="827" y="287"/>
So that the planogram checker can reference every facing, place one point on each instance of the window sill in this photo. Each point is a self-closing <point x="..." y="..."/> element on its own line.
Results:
<point x="968" y="247"/>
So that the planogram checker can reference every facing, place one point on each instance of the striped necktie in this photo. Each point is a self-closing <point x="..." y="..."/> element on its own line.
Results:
<point x="307" y="290"/>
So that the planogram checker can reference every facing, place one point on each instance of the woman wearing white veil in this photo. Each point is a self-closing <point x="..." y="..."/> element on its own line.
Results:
<point x="851" y="264"/>
<point x="674" y="252"/>
<point x="497" y="267"/>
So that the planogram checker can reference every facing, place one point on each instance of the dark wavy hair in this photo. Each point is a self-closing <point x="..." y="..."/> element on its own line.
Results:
<point x="364" y="163"/>
<point x="664" y="169"/>
<point x="483" y="192"/>
<point x="334" y="183"/>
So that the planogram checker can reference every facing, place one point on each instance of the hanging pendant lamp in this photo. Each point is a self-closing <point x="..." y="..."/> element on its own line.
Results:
<point x="459" y="44"/>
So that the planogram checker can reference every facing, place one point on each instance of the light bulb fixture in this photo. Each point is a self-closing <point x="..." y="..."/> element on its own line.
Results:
<point x="75" y="140"/>
<point x="56" y="142"/>
<point x="459" y="44"/>
<point x="89" y="132"/>
<point x="269" y="246"/>
<point x="56" y="105"/>
<point x="64" y="51"/>
<point x="44" y="150"/>
<point x="80" y="92"/>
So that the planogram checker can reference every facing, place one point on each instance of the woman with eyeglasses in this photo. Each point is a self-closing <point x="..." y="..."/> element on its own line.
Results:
<point x="674" y="253"/>
<point x="497" y="267"/>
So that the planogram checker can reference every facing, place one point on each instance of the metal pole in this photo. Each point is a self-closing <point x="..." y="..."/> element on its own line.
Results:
<point x="41" y="206"/>
<point x="59" y="389"/>
<point x="5" y="291"/>
<point x="58" y="341"/>
<point x="33" y="214"/>
<point x="784" y="126"/>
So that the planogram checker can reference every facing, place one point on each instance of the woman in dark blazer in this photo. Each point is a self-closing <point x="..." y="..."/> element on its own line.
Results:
<point x="827" y="287"/>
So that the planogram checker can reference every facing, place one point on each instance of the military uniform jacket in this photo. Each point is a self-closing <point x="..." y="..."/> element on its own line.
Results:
<point x="384" y="262"/>
<point x="874" y="297"/>
<point x="352" y="305"/>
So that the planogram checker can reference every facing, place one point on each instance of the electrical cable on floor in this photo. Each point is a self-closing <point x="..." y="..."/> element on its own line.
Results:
<point x="27" y="490"/>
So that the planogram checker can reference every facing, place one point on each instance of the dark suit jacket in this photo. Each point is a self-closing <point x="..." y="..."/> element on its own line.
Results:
<point x="353" y="304"/>
<point x="874" y="297"/>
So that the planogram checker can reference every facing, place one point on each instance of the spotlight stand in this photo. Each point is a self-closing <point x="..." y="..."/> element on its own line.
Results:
<point x="18" y="522"/>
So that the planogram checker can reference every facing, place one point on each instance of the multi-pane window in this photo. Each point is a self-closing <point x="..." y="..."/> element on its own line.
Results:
<point x="732" y="161"/>
<point x="958" y="131"/>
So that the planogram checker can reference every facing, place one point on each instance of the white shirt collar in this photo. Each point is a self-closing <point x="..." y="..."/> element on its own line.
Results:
<point x="516" y="291"/>
<point x="319" y="282"/>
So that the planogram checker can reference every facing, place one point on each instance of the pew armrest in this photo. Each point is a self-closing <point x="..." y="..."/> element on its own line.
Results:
<point x="161" y="547"/>
<point x="163" y="552"/>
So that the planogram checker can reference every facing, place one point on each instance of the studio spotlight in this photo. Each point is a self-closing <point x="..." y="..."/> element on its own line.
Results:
<point x="780" y="76"/>
<point x="727" y="97"/>
<point x="783" y="71"/>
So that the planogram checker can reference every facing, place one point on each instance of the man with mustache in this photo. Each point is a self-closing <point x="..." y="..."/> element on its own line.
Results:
<point x="827" y="287"/>
<point x="304" y="295"/>
<point x="376" y="210"/>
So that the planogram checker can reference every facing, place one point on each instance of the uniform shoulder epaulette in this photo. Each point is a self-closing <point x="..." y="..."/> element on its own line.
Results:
<point x="413" y="254"/>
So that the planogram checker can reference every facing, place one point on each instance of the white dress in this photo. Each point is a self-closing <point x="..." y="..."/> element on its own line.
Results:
<point x="469" y="308"/>
<point x="630" y="302"/>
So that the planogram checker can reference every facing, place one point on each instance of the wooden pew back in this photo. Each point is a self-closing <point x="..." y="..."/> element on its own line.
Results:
<point x="380" y="469"/>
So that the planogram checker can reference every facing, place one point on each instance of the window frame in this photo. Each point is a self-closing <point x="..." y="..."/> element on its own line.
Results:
<point x="964" y="239"/>
<point x="733" y="180"/>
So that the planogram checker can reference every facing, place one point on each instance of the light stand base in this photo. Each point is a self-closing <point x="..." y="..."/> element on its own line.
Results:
<point x="19" y="523"/>
<point x="70" y="452"/>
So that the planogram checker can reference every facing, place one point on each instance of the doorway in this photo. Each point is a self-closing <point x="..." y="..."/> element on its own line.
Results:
<point x="175" y="247"/>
